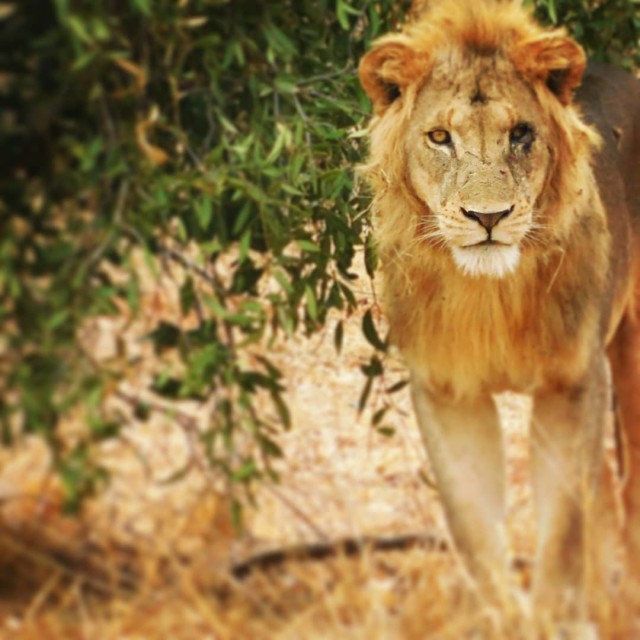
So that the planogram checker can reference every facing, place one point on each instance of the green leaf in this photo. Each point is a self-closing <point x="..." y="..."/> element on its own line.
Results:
<point x="165" y="336"/>
<point x="364" y="395"/>
<point x="279" y="41"/>
<point x="342" y="12"/>
<point x="188" y="296"/>
<point x="78" y="28"/>
<point x="378" y="416"/>
<point x="312" y="305"/>
<point x="398" y="386"/>
<point x="237" y="515"/>
<point x="371" y="333"/>
<point x="102" y="429"/>
<point x="338" y="336"/>
<point x="204" y="211"/>
<point x="84" y="60"/>
<point x="246" y="472"/>
<point x="58" y="319"/>
<point x="370" y="256"/>
<point x="282" y="409"/>
<point x="283" y="281"/>
<point x="285" y="85"/>
<point x="270" y="447"/>
<point x="143" y="6"/>
<point x="244" y="246"/>
<point x="307" y="245"/>
<point x="374" y="368"/>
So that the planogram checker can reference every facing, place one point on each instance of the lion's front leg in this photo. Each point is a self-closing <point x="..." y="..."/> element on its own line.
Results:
<point x="465" y="447"/>
<point x="567" y="464"/>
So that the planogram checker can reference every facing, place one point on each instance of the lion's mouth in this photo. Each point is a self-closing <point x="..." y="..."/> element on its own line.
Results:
<point x="489" y="242"/>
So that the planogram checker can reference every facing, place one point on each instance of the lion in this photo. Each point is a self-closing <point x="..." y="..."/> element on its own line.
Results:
<point x="506" y="181"/>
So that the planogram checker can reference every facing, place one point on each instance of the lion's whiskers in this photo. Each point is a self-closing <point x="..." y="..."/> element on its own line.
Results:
<point x="430" y="231"/>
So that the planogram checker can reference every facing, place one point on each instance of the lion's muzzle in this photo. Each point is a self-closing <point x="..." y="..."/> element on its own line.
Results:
<point x="487" y="220"/>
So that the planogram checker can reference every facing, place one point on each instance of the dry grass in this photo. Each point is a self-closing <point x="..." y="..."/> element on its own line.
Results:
<point x="150" y="559"/>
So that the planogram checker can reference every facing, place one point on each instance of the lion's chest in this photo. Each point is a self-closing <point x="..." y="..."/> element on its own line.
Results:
<point x="488" y="336"/>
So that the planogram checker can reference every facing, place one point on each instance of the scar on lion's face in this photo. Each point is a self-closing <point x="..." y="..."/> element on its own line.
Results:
<point x="478" y="156"/>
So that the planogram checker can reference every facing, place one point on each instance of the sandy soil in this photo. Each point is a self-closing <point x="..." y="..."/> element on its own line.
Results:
<point x="339" y="477"/>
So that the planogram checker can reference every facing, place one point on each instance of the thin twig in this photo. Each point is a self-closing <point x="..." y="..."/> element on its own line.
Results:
<point x="348" y="69"/>
<point x="298" y="512"/>
<point x="347" y="546"/>
<point x="176" y="256"/>
<point x="121" y="200"/>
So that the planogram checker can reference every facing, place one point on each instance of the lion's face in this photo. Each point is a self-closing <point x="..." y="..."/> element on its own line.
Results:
<point x="475" y="140"/>
<point x="477" y="155"/>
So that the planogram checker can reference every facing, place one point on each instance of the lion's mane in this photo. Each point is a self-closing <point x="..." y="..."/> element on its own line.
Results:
<point x="433" y="310"/>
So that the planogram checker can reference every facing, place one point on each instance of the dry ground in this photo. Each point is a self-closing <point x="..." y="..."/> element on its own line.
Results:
<point x="150" y="559"/>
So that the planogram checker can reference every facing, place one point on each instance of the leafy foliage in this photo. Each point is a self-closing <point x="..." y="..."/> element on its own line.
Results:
<point x="211" y="129"/>
<point x="608" y="29"/>
<point x="217" y="134"/>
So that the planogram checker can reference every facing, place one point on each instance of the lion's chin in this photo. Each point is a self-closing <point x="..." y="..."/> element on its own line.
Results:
<point x="494" y="261"/>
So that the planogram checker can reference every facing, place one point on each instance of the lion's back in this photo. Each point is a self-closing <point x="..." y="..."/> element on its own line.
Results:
<point x="610" y="100"/>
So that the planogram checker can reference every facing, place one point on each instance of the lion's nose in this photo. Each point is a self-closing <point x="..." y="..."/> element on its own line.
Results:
<point x="487" y="220"/>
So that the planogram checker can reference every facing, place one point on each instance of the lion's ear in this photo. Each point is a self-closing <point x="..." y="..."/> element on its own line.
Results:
<point x="555" y="59"/>
<point x="386" y="71"/>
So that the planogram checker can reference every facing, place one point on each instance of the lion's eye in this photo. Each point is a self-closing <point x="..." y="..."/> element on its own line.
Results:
<point x="521" y="134"/>
<point x="439" y="136"/>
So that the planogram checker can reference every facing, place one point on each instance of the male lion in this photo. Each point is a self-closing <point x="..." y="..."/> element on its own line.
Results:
<point x="507" y="213"/>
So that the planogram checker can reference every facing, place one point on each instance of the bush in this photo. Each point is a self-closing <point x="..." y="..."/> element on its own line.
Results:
<point x="608" y="29"/>
<point x="204" y="132"/>
<point x="224" y="126"/>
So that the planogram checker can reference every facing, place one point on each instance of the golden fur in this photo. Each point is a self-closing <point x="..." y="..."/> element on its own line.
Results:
<point x="532" y="313"/>
<point x="497" y="337"/>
